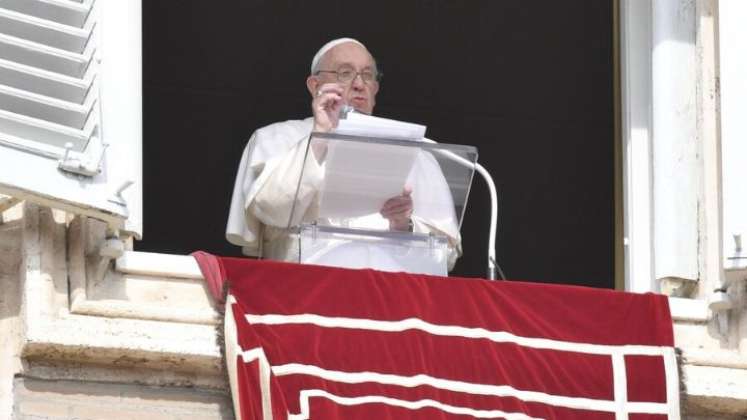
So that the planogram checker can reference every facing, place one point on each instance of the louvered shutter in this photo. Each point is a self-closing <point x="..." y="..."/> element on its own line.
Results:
<point x="71" y="106"/>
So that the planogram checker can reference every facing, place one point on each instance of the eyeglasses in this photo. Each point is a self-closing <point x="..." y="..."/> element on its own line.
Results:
<point x="347" y="75"/>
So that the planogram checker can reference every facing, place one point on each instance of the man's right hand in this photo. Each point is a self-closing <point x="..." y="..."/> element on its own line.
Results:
<point x="326" y="107"/>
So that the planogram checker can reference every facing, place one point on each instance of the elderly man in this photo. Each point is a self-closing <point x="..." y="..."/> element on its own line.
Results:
<point x="343" y="73"/>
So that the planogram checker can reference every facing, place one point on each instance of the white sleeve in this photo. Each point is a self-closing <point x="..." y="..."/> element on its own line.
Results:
<point x="240" y="230"/>
<point x="274" y="200"/>
<point x="454" y="243"/>
<point x="433" y="204"/>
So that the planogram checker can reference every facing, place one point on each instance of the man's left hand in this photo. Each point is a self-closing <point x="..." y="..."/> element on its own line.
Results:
<point x="399" y="210"/>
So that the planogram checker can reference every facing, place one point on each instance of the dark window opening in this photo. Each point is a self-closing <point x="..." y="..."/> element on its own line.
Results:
<point x="530" y="83"/>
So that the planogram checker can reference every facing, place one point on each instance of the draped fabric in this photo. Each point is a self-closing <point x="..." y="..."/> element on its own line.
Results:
<point x="311" y="342"/>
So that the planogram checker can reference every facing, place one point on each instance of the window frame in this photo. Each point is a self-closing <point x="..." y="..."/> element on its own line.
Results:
<point x="713" y="169"/>
<point x="733" y="95"/>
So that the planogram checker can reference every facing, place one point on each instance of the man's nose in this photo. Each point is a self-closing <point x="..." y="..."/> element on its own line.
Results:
<point x="357" y="82"/>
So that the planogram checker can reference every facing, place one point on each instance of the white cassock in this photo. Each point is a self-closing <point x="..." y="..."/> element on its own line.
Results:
<point x="265" y="190"/>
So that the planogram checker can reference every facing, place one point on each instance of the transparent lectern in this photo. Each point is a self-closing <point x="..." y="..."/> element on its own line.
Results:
<point x="343" y="185"/>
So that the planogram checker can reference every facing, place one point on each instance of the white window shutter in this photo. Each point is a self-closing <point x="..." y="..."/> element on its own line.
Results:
<point x="676" y="161"/>
<point x="71" y="106"/>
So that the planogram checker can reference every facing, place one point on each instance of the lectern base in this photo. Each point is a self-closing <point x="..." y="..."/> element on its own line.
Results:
<point x="386" y="251"/>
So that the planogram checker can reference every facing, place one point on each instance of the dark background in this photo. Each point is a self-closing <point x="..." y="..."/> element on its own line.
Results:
<point x="529" y="82"/>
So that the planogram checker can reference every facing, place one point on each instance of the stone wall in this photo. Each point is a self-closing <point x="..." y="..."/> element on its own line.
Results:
<point x="11" y="328"/>
<point x="81" y="338"/>
<point x="37" y="399"/>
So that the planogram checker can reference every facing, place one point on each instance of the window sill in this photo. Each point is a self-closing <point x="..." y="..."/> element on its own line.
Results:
<point x="689" y="310"/>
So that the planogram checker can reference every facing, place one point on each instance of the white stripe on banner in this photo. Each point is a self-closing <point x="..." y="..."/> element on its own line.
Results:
<point x="620" y="381"/>
<point x="306" y="394"/>
<point x="258" y="354"/>
<point x="620" y="406"/>
<point x="466" y="387"/>
<point x="454" y="331"/>
<point x="673" y="383"/>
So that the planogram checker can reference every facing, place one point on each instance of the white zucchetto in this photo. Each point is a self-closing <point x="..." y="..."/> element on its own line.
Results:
<point x="328" y="46"/>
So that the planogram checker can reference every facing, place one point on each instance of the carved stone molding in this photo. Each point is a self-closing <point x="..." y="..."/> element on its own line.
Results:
<point x="83" y="318"/>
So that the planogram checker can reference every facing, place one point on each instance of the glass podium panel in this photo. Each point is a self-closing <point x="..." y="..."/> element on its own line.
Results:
<point x="344" y="183"/>
<point x="351" y="177"/>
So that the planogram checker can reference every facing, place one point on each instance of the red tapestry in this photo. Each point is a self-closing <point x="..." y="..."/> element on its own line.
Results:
<point x="310" y="342"/>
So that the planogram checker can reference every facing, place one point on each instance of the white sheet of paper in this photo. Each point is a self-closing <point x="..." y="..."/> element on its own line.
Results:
<point x="357" y="124"/>
<point x="360" y="177"/>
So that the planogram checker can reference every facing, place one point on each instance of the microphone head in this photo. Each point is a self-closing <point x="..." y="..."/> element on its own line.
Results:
<point x="345" y="110"/>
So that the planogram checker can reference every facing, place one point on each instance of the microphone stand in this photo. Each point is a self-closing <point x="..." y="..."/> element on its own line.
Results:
<point x="493" y="267"/>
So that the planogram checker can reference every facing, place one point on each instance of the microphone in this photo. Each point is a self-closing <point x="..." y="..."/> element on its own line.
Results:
<point x="345" y="110"/>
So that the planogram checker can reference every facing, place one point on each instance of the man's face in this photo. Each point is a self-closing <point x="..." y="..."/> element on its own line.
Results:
<point x="358" y="93"/>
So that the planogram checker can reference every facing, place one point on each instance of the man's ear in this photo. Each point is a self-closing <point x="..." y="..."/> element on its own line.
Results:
<point x="312" y="84"/>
